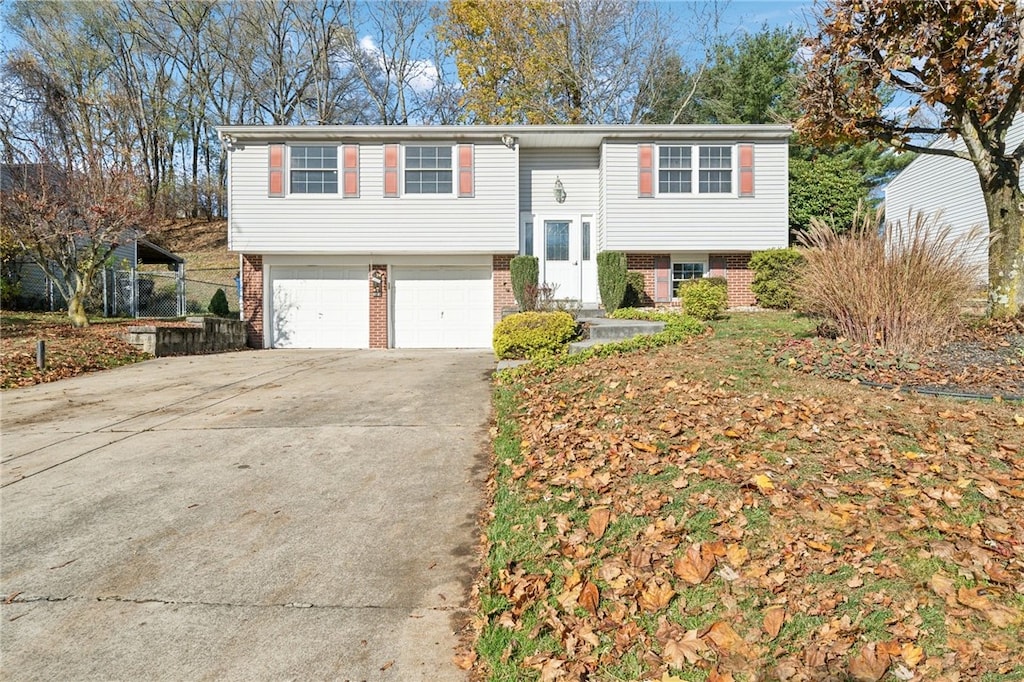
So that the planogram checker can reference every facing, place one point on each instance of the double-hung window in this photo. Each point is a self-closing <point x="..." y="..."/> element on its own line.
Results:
<point x="715" y="174"/>
<point x="712" y="164"/>
<point x="314" y="170"/>
<point x="428" y="170"/>
<point x="675" y="174"/>
<point x="682" y="272"/>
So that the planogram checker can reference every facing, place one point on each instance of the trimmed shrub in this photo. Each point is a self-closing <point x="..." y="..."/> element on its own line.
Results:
<point x="525" y="271"/>
<point x="705" y="298"/>
<point x="635" y="294"/>
<point x="900" y="287"/>
<point x="775" y="275"/>
<point x="611" y="279"/>
<point x="219" y="304"/>
<point x="533" y="334"/>
<point x="678" y="328"/>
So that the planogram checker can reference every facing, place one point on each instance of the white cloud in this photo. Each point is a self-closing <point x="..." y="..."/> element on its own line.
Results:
<point x="422" y="74"/>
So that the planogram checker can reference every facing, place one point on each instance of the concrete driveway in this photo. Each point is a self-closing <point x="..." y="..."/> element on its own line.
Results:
<point x="259" y="515"/>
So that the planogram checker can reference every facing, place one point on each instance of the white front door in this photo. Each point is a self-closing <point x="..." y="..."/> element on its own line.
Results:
<point x="560" y="255"/>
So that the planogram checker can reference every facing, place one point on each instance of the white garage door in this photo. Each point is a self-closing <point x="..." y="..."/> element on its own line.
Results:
<point x="319" y="307"/>
<point x="442" y="307"/>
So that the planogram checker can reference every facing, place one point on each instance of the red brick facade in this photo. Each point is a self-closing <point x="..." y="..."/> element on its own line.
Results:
<point x="501" y="276"/>
<point x="737" y="273"/>
<point x="378" y="307"/>
<point x="739" y="276"/>
<point x="252" y="299"/>
<point x="644" y="263"/>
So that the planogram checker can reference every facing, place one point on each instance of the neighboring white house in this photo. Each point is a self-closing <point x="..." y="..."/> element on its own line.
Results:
<point x="401" y="236"/>
<point x="932" y="183"/>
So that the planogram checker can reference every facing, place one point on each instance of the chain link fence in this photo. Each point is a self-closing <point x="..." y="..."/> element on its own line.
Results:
<point x="138" y="293"/>
<point x="168" y="294"/>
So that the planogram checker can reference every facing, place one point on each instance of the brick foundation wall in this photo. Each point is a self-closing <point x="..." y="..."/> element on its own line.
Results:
<point x="644" y="263"/>
<point x="378" y="308"/>
<point x="739" y="276"/>
<point x="501" y="276"/>
<point x="252" y="299"/>
<point x="737" y="273"/>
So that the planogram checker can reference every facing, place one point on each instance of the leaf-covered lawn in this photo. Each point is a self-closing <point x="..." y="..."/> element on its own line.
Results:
<point x="696" y="513"/>
<point x="69" y="351"/>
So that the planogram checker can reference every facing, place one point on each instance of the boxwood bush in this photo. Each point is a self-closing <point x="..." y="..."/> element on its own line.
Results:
<point x="534" y="334"/>
<point x="775" y="275"/>
<point x="705" y="299"/>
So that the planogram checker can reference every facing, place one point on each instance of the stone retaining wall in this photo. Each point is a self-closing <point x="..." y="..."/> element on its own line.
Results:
<point x="200" y="335"/>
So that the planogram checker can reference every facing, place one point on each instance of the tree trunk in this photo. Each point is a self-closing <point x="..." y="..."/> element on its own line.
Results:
<point x="76" y="309"/>
<point x="1004" y="202"/>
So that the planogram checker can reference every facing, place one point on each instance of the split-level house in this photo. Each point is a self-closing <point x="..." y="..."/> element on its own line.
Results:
<point x="401" y="236"/>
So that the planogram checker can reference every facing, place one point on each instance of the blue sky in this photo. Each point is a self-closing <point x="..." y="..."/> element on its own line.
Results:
<point x="739" y="15"/>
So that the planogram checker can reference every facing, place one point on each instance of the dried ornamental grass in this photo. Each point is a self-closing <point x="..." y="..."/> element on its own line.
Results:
<point x="895" y="286"/>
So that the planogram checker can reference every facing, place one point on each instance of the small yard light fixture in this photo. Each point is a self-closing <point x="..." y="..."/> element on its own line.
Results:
<point x="559" y="191"/>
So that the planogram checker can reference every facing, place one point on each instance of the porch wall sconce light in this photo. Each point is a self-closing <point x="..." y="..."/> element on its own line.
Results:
<point x="377" y="281"/>
<point x="508" y="141"/>
<point x="559" y="191"/>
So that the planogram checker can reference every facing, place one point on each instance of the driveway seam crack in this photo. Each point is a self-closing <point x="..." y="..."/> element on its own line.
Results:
<point x="29" y="599"/>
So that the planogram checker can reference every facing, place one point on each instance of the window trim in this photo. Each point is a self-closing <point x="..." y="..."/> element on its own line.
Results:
<point x="290" y="168"/>
<point x="695" y="170"/>
<point x="658" y="169"/>
<point x="686" y="259"/>
<point x="452" y="169"/>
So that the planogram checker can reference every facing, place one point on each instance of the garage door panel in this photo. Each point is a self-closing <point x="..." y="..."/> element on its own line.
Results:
<point x="319" y="307"/>
<point x="442" y="307"/>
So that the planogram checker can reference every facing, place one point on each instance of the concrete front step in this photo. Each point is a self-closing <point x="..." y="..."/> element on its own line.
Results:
<point x="616" y="330"/>
<point x="604" y="330"/>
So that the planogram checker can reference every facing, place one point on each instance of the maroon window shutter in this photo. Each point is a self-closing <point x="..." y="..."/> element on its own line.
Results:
<point x="717" y="266"/>
<point x="645" y="170"/>
<point x="662" y="279"/>
<point x="465" y="170"/>
<point x="746" y="170"/>
<point x="350" y="170"/>
<point x="391" y="170"/>
<point x="275" y="170"/>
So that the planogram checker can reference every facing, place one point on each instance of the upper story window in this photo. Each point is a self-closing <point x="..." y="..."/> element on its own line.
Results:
<point x="675" y="174"/>
<point x="676" y="166"/>
<point x="314" y="170"/>
<point x="715" y="170"/>
<point x="428" y="170"/>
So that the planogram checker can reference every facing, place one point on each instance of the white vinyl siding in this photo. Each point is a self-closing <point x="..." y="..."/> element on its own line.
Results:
<point x="576" y="168"/>
<point x="487" y="223"/>
<point x="940" y="183"/>
<point x="602" y="175"/>
<point x="698" y="222"/>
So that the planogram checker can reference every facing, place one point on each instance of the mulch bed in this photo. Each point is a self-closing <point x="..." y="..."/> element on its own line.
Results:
<point x="985" y="358"/>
